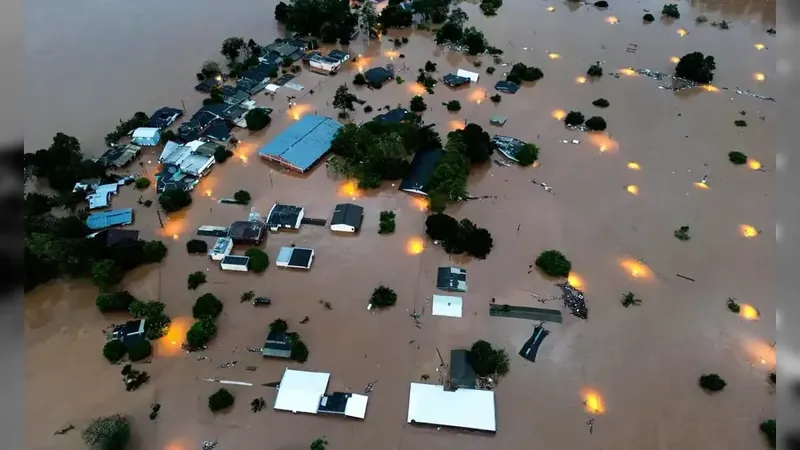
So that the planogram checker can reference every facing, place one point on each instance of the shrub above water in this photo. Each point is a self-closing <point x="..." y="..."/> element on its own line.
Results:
<point x="712" y="382"/>
<point x="220" y="400"/>
<point x="554" y="263"/>
<point x="737" y="158"/>
<point x="596" y="123"/>
<point x="648" y="18"/>
<point x="574" y="118"/>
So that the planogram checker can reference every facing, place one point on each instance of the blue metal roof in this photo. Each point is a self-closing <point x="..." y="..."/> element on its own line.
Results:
<point x="302" y="144"/>
<point x="106" y="219"/>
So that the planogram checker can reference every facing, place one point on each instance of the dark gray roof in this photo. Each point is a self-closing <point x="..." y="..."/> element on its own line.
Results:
<point x="451" y="279"/>
<point x="207" y="84"/>
<point x="378" y="75"/>
<point x="455" y="80"/>
<point x="338" y="55"/>
<point x="277" y="345"/>
<point x="422" y="167"/>
<point x="218" y="130"/>
<point x="284" y="216"/>
<point x="462" y="375"/>
<point x="396" y="115"/>
<point x="114" y="236"/>
<point x="507" y="86"/>
<point x="234" y="259"/>
<point x="120" y="156"/>
<point x="246" y="231"/>
<point x="171" y="177"/>
<point x="334" y="403"/>
<point x="301" y="257"/>
<point x="348" y="214"/>
<point x="164" y="117"/>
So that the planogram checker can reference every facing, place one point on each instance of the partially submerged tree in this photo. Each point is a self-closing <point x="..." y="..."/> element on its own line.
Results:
<point x="596" y="123"/>
<point x="195" y="280"/>
<point x="488" y="361"/>
<point x="595" y="70"/>
<point x="142" y="310"/>
<point x="172" y="200"/>
<point x="712" y="382"/>
<point x="648" y="18"/>
<point x="740" y="123"/>
<point x="520" y="72"/>
<point x="108" y="433"/>
<point x="418" y="104"/>
<point x="142" y="183"/>
<point x="106" y="273"/>
<point x="574" y="118"/>
<point x="114" y="350"/>
<point x="671" y="10"/>
<point x="344" y="101"/>
<point x="629" y="299"/>
<point x="232" y="48"/>
<point x="359" y="79"/>
<point x="369" y="19"/>
<point x="601" y="103"/>
<point x="733" y="305"/>
<point x="490" y="7"/>
<point x="383" y="297"/>
<point x="386" y="223"/>
<point x="242" y="197"/>
<point x="278" y="326"/>
<point x="139" y="350"/>
<point x="394" y="15"/>
<point x="737" y="158"/>
<point x="116" y="302"/>
<point x="682" y="233"/>
<point x="197" y="247"/>
<point x="221" y="154"/>
<point x="257" y="119"/>
<point x="554" y="263"/>
<point x="222" y="399"/>
<point x="207" y="306"/>
<point x="696" y="67"/>
<point x="527" y="154"/>
<point x="496" y="98"/>
<point x="459" y="237"/>
<point x="259" y="261"/>
<point x="769" y="428"/>
<point x="473" y="142"/>
<point x="453" y="105"/>
<point x="200" y="333"/>
<point x="319" y="444"/>
<point x="430" y="66"/>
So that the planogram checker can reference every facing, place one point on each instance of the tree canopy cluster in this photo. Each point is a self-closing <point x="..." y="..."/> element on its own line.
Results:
<point x="259" y="261"/>
<point x="448" y="183"/>
<point x="696" y="67"/>
<point x="527" y="154"/>
<point x="490" y="7"/>
<point x="58" y="246"/>
<point x="596" y="123"/>
<point x="376" y="151"/>
<point x="241" y="56"/>
<point x="395" y="16"/>
<point x="554" y="263"/>
<point x="299" y="348"/>
<point x="488" y="361"/>
<point x="108" y="433"/>
<point x="458" y="237"/>
<point x="344" y="101"/>
<point x="62" y="165"/>
<point x="671" y="10"/>
<point x="172" y="200"/>
<point x="383" y="297"/>
<point x="520" y="72"/>
<point x="453" y="32"/>
<point x="737" y="158"/>
<point x="222" y="399"/>
<point x="386" y="224"/>
<point x="139" y="119"/>
<point x="330" y="20"/>
<point x="257" y="119"/>
<point x="712" y="382"/>
<point x="574" y="118"/>
<point x="432" y="10"/>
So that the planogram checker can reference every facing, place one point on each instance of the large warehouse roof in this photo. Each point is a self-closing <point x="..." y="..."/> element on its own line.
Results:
<point x="302" y="144"/>
<point x="463" y="408"/>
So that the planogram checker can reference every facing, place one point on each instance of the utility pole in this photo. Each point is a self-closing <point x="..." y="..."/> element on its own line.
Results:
<point x="158" y="213"/>
<point x="184" y="106"/>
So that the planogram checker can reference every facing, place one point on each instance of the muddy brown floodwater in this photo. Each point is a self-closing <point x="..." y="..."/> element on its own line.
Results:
<point x="91" y="62"/>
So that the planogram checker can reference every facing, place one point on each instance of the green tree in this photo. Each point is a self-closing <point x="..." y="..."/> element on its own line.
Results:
<point x="478" y="242"/>
<point x="207" y="306"/>
<point x="210" y="69"/>
<point x="682" y="233"/>
<point x="601" y="103"/>
<point x="737" y="158"/>
<point x="299" y="351"/>
<point x="319" y="444"/>
<point x="359" y="79"/>
<point x="156" y="326"/>
<point x="383" y="297"/>
<point x="258" y="262"/>
<point x="281" y="12"/>
<point x="222" y="399"/>
<point x="648" y="18"/>
<point x="386" y="222"/>
<point x="369" y="18"/>
<point x="278" y="326"/>
<point x="195" y="280"/>
<point x="140" y="310"/>
<point x="395" y="16"/>
<point x="114" y="351"/>
<point x="430" y="66"/>
<point x="232" y="48"/>
<point x="490" y="7"/>
<point x="343" y="100"/>
<point x="142" y="183"/>
<point x="327" y="19"/>
<point x="257" y="119"/>
<point x="527" y="154"/>
<point x="140" y="349"/>
<point x="200" y="334"/>
<point x="106" y="273"/>
<point x="574" y="118"/>
<point x="520" y="72"/>
<point x="671" y="11"/>
<point x="242" y="197"/>
<point x="449" y="177"/>
<point x="595" y="70"/>
<point x="629" y="299"/>
<point x="596" y="123"/>
<point x="488" y="361"/>
<point x="712" y="382"/>
<point x="477" y="144"/>
<point x="554" y="263"/>
<point x="197" y="247"/>
<point x="453" y="105"/>
<point x="440" y="227"/>
<point x="221" y="154"/>
<point x="153" y="251"/>
<point x="474" y="41"/>
<point x="696" y="67"/>
<point x="769" y="428"/>
<point x="116" y="302"/>
<point x="418" y="104"/>
<point x="172" y="200"/>
<point x="108" y="433"/>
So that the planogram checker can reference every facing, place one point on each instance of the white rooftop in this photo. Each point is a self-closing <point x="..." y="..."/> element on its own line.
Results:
<point x="301" y="391"/>
<point x="185" y="157"/>
<point x="464" y="408"/>
<point x="447" y="305"/>
<point x="144" y="132"/>
<point x="473" y="76"/>
<point x="356" y="406"/>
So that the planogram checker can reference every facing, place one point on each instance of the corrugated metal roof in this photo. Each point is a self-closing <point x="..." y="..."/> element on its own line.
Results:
<point x="111" y="218"/>
<point x="304" y="143"/>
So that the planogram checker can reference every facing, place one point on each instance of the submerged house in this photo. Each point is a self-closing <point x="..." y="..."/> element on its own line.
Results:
<point x="508" y="146"/>
<point x="120" y="156"/>
<point x="172" y="177"/>
<point x="206" y="85"/>
<point x="112" y="218"/>
<point x="508" y="87"/>
<point x="397" y="115"/>
<point x="323" y="64"/>
<point x="247" y="232"/>
<point x="455" y="80"/>
<point x="129" y="332"/>
<point x="235" y="263"/>
<point x="304" y="392"/>
<point x="147" y="137"/>
<point x="164" y="117"/>
<point x="452" y="279"/>
<point x="303" y="144"/>
<point x="422" y="167"/>
<point x="295" y="258"/>
<point x="339" y="55"/>
<point x="277" y="345"/>
<point x="378" y="75"/>
<point x="221" y="249"/>
<point x="194" y="158"/>
<point x="101" y="196"/>
<point x="285" y="216"/>
<point x="470" y="409"/>
<point x="112" y="236"/>
<point x="233" y="96"/>
<point x="347" y="218"/>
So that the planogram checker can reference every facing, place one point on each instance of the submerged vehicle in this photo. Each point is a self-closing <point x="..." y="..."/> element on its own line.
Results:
<point x="261" y="301"/>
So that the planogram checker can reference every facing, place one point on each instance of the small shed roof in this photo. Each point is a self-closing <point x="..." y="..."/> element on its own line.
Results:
<point x="303" y="143"/>
<point x="236" y="260"/>
<point x="462" y="375"/>
<point x="110" y="218"/>
<point x="447" y="306"/>
<point x="244" y="230"/>
<point x="277" y="346"/>
<point x="301" y="391"/>
<point x="120" y="155"/>
<point x="348" y="214"/>
<point x="454" y="80"/>
<point x="451" y="279"/>
<point x="145" y="132"/>
<point x="339" y="55"/>
<point x="284" y="216"/>
<point x="422" y="167"/>
<point x="464" y="408"/>
<point x="356" y="406"/>
<point x="114" y="236"/>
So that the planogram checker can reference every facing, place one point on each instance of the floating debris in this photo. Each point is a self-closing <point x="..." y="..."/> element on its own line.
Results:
<point x="574" y="300"/>
<point x="681" y="84"/>
<point x="209" y="445"/>
<point x="573" y="142"/>
<point x="65" y="430"/>
<point x="228" y="364"/>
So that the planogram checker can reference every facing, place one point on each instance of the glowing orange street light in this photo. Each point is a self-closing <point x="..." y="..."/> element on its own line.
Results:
<point x="632" y="189"/>
<point x="593" y="401"/>
<point x="674" y="59"/>
<point x="612" y="20"/>
<point x="682" y="32"/>
<point x="759" y="76"/>
<point x="633" y="165"/>
<point x="748" y="231"/>
<point x="754" y="164"/>
<point x="554" y="56"/>
<point x="421" y="203"/>
<point x="558" y="114"/>
<point x="580" y="80"/>
<point x="636" y="269"/>
<point x="415" y="246"/>
<point x="759" y="47"/>
<point x="551" y="8"/>
<point x="748" y="312"/>
<point x="576" y="281"/>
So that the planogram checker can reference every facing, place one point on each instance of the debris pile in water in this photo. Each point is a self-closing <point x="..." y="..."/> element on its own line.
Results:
<point x="574" y="300"/>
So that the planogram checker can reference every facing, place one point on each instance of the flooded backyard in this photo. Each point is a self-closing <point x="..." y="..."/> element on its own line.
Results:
<point x="616" y="200"/>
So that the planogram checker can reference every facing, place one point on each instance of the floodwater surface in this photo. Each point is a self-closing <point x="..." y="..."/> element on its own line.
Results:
<point x="633" y="369"/>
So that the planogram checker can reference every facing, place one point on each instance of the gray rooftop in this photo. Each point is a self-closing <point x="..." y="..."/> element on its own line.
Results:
<point x="453" y="279"/>
<point x="348" y="214"/>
